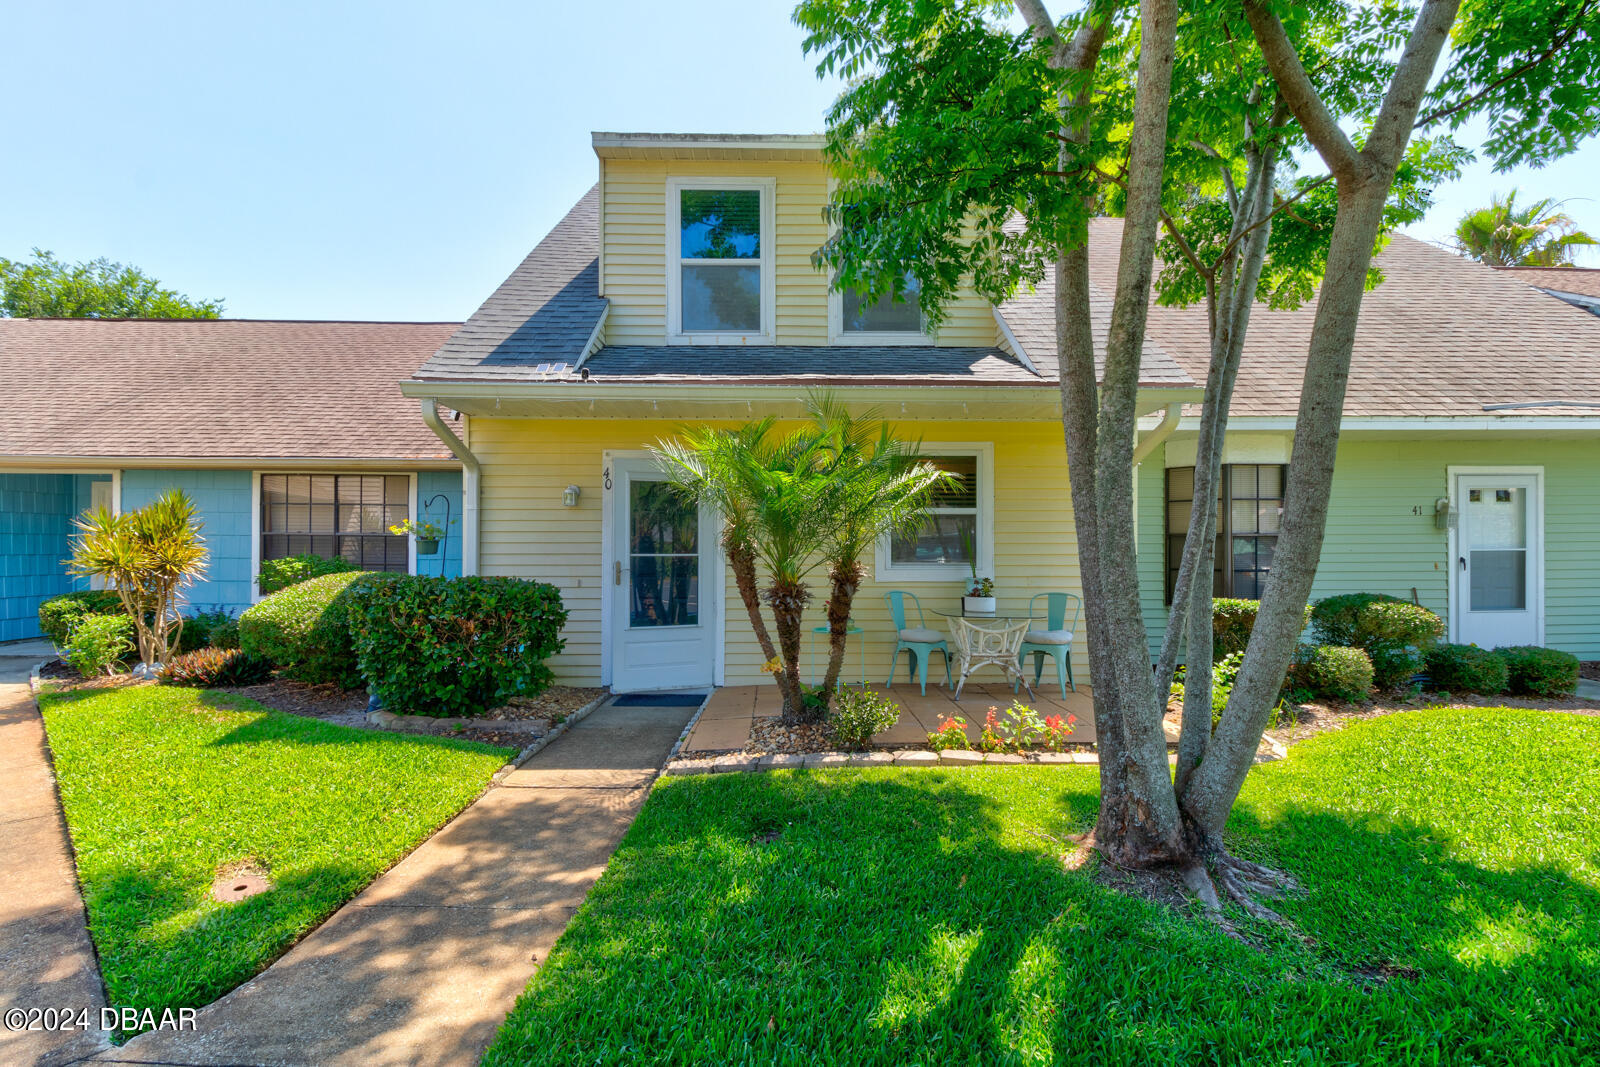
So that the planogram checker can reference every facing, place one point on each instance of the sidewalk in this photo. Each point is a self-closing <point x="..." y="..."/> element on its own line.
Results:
<point x="46" y="959"/>
<point x="423" y="966"/>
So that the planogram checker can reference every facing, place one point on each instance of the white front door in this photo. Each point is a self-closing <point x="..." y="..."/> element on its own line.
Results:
<point x="662" y="554"/>
<point x="1497" y="591"/>
<point x="99" y="497"/>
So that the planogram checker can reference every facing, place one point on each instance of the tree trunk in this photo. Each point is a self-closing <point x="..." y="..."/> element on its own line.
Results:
<point x="742" y="561"/>
<point x="844" y="583"/>
<point x="788" y="602"/>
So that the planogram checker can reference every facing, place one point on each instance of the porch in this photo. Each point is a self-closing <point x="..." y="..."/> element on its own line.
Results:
<point x="725" y="724"/>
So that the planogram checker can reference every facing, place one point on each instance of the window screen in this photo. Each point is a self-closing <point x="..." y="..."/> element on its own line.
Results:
<point x="331" y="515"/>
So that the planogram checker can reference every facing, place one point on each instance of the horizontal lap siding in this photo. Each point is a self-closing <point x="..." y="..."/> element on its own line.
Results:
<point x="222" y="498"/>
<point x="1376" y="544"/>
<point x="633" y="232"/>
<point x="527" y="533"/>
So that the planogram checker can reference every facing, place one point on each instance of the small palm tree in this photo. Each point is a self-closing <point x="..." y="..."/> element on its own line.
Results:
<point x="1504" y="235"/>
<point x="148" y="556"/>
<point x="877" y="485"/>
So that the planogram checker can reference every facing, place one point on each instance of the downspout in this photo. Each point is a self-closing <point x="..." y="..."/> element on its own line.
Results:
<point x="1163" y="430"/>
<point x="469" y="483"/>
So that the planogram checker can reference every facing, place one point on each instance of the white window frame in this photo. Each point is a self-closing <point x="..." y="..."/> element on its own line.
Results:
<point x="837" y="335"/>
<point x="767" y="261"/>
<point x="255" y="515"/>
<point x="887" y="570"/>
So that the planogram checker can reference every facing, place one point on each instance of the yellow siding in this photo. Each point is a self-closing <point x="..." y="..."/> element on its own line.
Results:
<point x="634" y="259"/>
<point x="527" y="533"/>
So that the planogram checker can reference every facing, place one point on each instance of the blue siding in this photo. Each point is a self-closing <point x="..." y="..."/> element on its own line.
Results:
<point x="223" y="500"/>
<point x="36" y="513"/>
<point x="429" y="485"/>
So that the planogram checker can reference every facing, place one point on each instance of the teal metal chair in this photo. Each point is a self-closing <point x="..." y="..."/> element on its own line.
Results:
<point x="918" y="641"/>
<point x="1054" y="640"/>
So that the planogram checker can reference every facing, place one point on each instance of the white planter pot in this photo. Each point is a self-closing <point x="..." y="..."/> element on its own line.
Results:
<point x="977" y="605"/>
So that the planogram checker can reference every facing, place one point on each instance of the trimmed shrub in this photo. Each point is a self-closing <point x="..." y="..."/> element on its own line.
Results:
<point x="1332" y="671"/>
<point x="455" y="646"/>
<point x="1466" y="669"/>
<point x="99" y="643"/>
<point x="59" y="614"/>
<point x="1231" y="623"/>
<point x="209" y="629"/>
<point x="277" y="574"/>
<point x="211" y="667"/>
<point x="1393" y="632"/>
<point x="305" y="629"/>
<point x="857" y="714"/>
<point x="1539" y="672"/>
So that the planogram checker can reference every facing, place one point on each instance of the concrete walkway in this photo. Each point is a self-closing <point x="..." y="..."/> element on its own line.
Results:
<point x="46" y="958"/>
<point x="423" y="966"/>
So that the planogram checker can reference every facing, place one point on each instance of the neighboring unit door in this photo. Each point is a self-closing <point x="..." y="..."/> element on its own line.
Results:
<point x="662" y="627"/>
<point x="1498" y="564"/>
<point x="99" y="497"/>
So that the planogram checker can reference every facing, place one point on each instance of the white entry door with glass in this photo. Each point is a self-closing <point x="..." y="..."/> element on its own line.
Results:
<point x="661" y="583"/>
<point x="1497" y="565"/>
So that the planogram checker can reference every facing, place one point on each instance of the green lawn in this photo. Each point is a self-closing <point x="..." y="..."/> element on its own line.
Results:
<point x="908" y="916"/>
<point x="163" y="786"/>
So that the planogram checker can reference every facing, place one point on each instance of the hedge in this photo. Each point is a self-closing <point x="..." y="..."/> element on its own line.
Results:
<point x="1539" y="672"/>
<point x="277" y="574"/>
<point x="1232" y="621"/>
<point x="305" y="628"/>
<point x="1335" y="671"/>
<point x="1394" y="633"/>
<point x="1466" y="669"/>
<point x="59" y="614"/>
<point x="455" y="646"/>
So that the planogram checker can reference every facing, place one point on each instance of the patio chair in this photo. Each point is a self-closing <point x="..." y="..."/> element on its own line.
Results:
<point x="918" y="641"/>
<point x="1054" y="640"/>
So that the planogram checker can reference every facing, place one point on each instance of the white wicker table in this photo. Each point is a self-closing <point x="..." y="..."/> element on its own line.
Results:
<point x="988" y="641"/>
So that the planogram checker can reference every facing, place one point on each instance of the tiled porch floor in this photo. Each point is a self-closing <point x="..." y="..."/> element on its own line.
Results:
<point x="725" y="724"/>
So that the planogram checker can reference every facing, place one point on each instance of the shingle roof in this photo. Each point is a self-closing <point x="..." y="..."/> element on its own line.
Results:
<point x="1585" y="281"/>
<point x="537" y="323"/>
<point x="1441" y="336"/>
<point x="220" y="388"/>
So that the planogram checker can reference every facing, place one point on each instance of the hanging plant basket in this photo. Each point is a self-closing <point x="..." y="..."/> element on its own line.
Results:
<point x="427" y="546"/>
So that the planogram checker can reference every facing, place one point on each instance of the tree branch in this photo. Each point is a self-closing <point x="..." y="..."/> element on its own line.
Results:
<point x="1167" y="221"/>
<point x="1392" y="128"/>
<point x="1295" y="86"/>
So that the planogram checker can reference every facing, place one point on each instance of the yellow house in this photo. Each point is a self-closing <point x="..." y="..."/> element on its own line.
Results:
<point x="680" y="290"/>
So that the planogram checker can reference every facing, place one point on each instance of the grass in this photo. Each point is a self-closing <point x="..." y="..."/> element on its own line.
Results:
<point x="910" y="916"/>
<point x="163" y="786"/>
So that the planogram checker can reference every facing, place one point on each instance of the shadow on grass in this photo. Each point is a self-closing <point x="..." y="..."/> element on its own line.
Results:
<point x="876" y="917"/>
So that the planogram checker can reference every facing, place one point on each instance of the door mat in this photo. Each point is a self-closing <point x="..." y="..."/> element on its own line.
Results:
<point x="658" y="700"/>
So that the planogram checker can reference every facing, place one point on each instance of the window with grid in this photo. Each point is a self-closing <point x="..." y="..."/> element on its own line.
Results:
<point x="949" y="537"/>
<point x="1249" y="513"/>
<point x="331" y="515"/>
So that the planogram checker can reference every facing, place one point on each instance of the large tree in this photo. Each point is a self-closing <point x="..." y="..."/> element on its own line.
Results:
<point x="48" y="288"/>
<point x="969" y="148"/>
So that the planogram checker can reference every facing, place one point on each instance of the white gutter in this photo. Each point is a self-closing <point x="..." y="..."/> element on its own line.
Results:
<point x="1011" y="339"/>
<point x="1163" y="430"/>
<point x="470" y="472"/>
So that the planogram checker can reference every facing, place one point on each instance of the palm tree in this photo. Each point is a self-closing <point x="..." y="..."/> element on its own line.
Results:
<point x="1504" y="235"/>
<point x="876" y="485"/>
<point x="148" y="556"/>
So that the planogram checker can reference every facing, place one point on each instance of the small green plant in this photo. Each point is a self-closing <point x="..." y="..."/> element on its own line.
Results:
<point x="100" y="643"/>
<point x="1223" y="673"/>
<point x="59" y="614"/>
<point x="1394" y="633"/>
<point x="1331" y="671"/>
<point x="976" y="586"/>
<point x="422" y="531"/>
<point x="951" y="733"/>
<point x="1059" y="730"/>
<point x="1466" y="669"/>
<point x="222" y="630"/>
<point x="1022" y="726"/>
<point x="278" y="574"/>
<point x="1539" y="672"/>
<point x="1232" y="620"/>
<point x="211" y="667"/>
<point x="858" y="714"/>
<point x="991" y="739"/>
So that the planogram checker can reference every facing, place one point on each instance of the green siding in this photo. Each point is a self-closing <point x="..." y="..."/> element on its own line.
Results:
<point x="1376" y="544"/>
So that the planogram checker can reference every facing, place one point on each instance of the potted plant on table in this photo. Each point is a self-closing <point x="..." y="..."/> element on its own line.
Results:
<point x="979" y="597"/>
<point x="426" y="534"/>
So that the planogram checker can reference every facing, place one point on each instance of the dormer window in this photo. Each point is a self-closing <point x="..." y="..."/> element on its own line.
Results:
<point x="719" y="261"/>
<point x="887" y="320"/>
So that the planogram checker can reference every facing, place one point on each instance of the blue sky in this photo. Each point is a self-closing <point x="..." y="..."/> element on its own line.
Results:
<point x="393" y="161"/>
